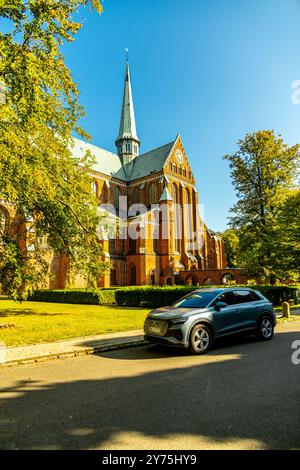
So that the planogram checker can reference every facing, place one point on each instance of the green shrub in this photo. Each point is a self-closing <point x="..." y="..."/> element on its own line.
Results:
<point x="279" y="294"/>
<point x="151" y="296"/>
<point x="80" y="296"/>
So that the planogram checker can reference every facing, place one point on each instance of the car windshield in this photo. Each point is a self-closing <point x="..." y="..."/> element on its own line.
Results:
<point x="196" y="300"/>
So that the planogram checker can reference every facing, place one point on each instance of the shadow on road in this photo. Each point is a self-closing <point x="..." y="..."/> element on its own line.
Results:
<point x="151" y="351"/>
<point x="250" y="392"/>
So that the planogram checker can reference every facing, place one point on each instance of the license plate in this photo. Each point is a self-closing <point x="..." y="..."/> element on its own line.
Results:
<point x="154" y="327"/>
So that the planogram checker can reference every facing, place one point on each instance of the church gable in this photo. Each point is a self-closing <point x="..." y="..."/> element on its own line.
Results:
<point x="177" y="163"/>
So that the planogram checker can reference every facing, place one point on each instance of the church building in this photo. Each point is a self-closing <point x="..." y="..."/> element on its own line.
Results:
<point x="162" y="181"/>
<point x="151" y="230"/>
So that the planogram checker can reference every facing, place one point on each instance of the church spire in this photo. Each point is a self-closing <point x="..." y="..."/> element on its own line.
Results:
<point x="127" y="143"/>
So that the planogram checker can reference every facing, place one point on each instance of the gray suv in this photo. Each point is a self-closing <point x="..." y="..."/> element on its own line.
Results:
<point x="195" y="321"/>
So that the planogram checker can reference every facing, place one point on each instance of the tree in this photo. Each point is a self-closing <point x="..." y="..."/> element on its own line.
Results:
<point x="231" y="243"/>
<point x="263" y="170"/>
<point x="289" y="236"/>
<point x="39" y="111"/>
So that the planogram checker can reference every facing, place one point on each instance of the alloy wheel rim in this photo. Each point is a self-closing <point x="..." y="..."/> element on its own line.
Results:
<point x="201" y="339"/>
<point x="266" y="328"/>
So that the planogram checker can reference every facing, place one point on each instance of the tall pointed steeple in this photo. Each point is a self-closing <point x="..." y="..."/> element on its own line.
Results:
<point x="127" y="143"/>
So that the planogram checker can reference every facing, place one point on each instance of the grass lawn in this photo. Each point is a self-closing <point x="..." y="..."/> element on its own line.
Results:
<point x="38" y="322"/>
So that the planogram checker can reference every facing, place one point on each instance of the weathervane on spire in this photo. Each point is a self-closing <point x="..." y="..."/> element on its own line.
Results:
<point x="127" y="54"/>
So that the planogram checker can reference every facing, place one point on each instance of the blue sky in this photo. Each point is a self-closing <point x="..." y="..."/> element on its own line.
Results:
<point x="211" y="70"/>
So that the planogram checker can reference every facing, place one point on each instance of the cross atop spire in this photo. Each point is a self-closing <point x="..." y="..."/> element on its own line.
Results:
<point x="127" y="142"/>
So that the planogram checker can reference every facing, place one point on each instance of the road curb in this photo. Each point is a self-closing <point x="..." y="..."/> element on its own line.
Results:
<point x="75" y="353"/>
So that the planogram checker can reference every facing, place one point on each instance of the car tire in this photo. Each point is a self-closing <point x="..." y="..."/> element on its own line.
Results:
<point x="201" y="339"/>
<point x="265" y="328"/>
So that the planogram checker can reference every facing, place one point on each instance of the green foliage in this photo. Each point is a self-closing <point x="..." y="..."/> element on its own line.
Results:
<point x="231" y="243"/>
<point x="288" y="235"/>
<point x="264" y="171"/>
<point x="17" y="276"/>
<point x="151" y="297"/>
<point x="39" y="111"/>
<point x="147" y="296"/>
<point x="279" y="294"/>
<point x="75" y="296"/>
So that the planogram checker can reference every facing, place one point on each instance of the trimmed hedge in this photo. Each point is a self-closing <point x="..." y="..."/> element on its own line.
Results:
<point x="151" y="297"/>
<point x="162" y="296"/>
<point x="95" y="297"/>
<point x="279" y="294"/>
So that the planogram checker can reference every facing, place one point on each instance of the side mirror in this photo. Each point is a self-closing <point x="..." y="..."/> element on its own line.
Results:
<point x="220" y="305"/>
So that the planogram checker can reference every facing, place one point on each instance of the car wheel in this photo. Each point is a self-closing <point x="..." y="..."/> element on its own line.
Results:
<point x="200" y="339"/>
<point x="265" y="329"/>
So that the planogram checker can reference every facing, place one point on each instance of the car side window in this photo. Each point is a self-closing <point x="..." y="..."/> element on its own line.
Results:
<point x="255" y="297"/>
<point x="243" y="296"/>
<point x="228" y="297"/>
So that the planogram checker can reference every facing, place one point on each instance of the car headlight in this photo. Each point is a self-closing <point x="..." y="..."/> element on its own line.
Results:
<point x="178" y="321"/>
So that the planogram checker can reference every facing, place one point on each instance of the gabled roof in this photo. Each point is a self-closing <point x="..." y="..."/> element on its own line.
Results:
<point x="151" y="162"/>
<point x="110" y="164"/>
<point x="106" y="162"/>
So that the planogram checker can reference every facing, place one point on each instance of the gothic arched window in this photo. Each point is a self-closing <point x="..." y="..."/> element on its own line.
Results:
<point x="117" y="197"/>
<point x="112" y="246"/>
<point x="177" y="219"/>
<point x="132" y="275"/>
<point x="113" y="277"/>
<point x="132" y="246"/>
<point x="152" y="193"/>
<point x="188" y="213"/>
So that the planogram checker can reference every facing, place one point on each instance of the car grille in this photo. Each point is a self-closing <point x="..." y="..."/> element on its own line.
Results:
<point x="156" y="327"/>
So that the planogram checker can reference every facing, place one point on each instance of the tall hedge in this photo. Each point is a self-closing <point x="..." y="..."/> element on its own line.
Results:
<point x="150" y="297"/>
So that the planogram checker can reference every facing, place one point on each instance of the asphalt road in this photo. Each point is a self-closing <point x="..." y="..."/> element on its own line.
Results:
<point x="243" y="395"/>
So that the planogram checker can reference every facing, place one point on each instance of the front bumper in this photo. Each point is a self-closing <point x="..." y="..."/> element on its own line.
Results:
<point x="172" y="333"/>
<point x="166" y="341"/>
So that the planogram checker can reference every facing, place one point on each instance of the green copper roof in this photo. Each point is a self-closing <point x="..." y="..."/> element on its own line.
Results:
<point x="127" y="123"/>
<point x="106" y="162"/>
<point x="150" y="162"/>
<point x="165" y="195"/>
<point x="110" y="164"/>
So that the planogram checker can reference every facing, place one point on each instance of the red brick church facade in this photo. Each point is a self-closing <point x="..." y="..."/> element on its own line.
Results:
<point x="163" y="182"/>
<point x="158" y="188"/>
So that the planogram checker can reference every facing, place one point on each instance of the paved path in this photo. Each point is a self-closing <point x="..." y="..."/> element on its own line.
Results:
<point x="73" y="347"/>
<point x="244" y="394"/>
